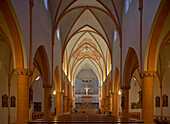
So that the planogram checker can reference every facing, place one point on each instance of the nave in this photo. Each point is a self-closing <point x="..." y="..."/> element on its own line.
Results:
<point x="79" y="119"/>
<point x="84" y="60"/>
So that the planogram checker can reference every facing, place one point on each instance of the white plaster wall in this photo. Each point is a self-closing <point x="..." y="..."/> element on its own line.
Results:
<point x="22" y="12"/>
<point x="57" y="55"/>
<point x="166" y="91"/>
<point x="38" y="93"/>
<point x="133" y="95"/>
<point x="156" y="93"/>
<point x="131" y="27"/>
<point x="14" y="93"/>
<point x="3" y="91"/>
<point x="42" y="31"/>
<point x="149" y="10"/>
<point x="130" y="30"/>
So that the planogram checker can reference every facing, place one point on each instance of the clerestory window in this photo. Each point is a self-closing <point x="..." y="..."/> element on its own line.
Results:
<point x="127" y="5"/>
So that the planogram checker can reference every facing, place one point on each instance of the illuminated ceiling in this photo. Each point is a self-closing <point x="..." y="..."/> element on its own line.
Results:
<point x="86" y="34"/>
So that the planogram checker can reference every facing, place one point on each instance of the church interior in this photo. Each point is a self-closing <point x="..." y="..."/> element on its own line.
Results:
<point x="84" y="61"/>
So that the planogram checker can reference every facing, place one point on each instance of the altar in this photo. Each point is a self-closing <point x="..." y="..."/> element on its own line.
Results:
<point x="87" y="102"/>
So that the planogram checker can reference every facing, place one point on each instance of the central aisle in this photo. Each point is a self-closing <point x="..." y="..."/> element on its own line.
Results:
<point x="87" y="119"/>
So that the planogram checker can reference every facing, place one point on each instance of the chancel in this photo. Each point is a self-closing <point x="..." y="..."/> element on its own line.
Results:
<point x="84" y="61"/>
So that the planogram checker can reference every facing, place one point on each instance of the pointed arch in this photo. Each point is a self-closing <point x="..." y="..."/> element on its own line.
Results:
<point x="131" y="64"/>
<point x="152" y="49"/>
<point x="42" y="64"/>
<point x="11" y="31"/>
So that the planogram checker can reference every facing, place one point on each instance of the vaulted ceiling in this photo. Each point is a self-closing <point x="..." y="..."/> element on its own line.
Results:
<point x="86" y="34"/>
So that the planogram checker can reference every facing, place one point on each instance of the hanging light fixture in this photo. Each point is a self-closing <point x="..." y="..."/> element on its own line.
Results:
<point x="119" y="92"/>
<point x="54" y="92"/>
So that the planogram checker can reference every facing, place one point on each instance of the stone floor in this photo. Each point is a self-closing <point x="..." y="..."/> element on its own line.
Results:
<point x="78" y="119"/>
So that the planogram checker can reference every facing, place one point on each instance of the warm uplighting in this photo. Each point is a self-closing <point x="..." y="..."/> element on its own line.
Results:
<point x="63" y="91"/>
<point x="119" y="92"/>
<point x="54" y="92"/>
<point x="37" y="78"/>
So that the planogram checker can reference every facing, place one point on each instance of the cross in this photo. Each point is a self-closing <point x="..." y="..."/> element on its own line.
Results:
<point x="87" y="88"/>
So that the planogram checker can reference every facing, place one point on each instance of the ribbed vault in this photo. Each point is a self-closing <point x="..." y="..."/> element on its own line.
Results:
<point x="86" y="34"/>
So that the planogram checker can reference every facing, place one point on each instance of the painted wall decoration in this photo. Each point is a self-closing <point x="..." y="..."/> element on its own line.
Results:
<point x="157" y="101"/>
<point x="37" y="106"/>
<point x="5" y="101"/>
<point x="13" y="101"/>
<point x="165" y="101"/>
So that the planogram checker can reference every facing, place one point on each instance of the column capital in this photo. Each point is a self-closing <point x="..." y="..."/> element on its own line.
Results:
<point x="59" y="92"/>
<point x="31" y="3"/>
<point x="114" y="93"/>
<point x="140" y="5"/>
<point x="125" y="87"/>
<point x="108" y="96"/>
<point x="47" y="86"/>
<point x="23" y="71"/>
<point x="148" y="74"/>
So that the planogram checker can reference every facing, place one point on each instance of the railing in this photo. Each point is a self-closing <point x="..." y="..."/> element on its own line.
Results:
<point x="135" y="115"/>
<point x="40" y="115"/>
<point x="161" y="119"/>
<point x="37" y="116"/>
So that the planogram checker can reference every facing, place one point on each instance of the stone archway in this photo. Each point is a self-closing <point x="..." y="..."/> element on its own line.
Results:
<point x="41" y="67"/>
<point x="155" y="43"/>
<point x="131" y="64"/>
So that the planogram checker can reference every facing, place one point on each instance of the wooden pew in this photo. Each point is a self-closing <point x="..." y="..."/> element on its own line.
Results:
<point x="135" y="115"/>
<point x="162" y="119"/>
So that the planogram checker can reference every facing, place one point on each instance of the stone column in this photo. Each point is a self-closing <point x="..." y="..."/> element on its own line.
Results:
<point x="64" y="87"/>
<point x="68" y="104"/>
<point x="102" y="101"/>
<point x="47" y="100"/>
<point x="65" y="104"/>
<point x="125" y="100"/>
<point x="147" y="96"/>
<point x="114" y="103"/>
<point x="58" y="103"/>
<point x="22" y="95"/>
<point x="108" y="98"/>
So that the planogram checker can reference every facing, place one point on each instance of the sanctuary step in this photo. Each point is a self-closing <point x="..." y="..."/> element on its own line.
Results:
<point x="87" y="119"/>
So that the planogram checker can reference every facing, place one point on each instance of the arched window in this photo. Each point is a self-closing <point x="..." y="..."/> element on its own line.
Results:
<point x="58" y="33"/>
<point x="46" y="4"/>
<point x="127" y="4"/>
<point x="115" y="35"/>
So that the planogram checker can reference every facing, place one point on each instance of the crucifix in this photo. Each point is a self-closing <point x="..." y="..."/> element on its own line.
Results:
<point x="87" y="88"/>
